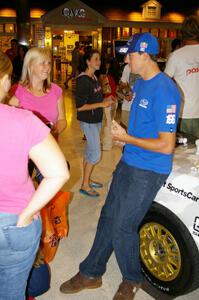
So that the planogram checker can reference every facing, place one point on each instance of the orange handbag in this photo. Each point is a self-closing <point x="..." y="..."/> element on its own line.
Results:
<point x="54" y="224"/>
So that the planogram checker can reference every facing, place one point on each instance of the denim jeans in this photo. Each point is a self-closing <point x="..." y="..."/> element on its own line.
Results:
<point x="93" y="148"/>
<point x="18" y="247"/>
<point x="130" y="196"/>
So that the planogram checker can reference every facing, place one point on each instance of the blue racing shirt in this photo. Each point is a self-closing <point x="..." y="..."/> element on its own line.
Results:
<point x="155" y="109"/>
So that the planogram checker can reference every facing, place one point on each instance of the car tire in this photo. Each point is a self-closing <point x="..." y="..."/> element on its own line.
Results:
<point x="169" y="255"/>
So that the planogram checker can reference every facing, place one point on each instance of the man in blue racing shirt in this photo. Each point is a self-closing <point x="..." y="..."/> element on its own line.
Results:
<point x="144" y="166"/>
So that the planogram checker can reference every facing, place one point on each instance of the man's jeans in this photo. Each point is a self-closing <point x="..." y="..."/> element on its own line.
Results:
<point x="130" y="196"/>
<point x="18" y="248"/>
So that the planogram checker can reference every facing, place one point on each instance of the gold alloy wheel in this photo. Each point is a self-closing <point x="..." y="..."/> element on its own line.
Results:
<point x="159" y="251"/>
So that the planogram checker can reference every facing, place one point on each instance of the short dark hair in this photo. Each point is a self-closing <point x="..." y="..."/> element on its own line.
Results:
<point x="190" y="28"/>
<point x="14" y="41"/>
<point x="76" y="43"/>
<point x="152" y="56"/>
<point x="175" y="43"/>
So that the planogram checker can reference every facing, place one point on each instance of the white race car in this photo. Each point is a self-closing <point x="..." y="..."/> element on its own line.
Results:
<point x="169" y="233"/>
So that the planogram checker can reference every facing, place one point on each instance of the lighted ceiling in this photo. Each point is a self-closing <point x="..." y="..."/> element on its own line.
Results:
<point x="11" y="13"/>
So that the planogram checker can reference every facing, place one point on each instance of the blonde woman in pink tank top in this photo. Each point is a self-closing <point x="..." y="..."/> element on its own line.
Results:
<point x="36" y="92"/>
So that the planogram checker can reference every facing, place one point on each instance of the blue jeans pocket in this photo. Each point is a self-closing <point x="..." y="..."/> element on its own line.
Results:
<point x="21" y="238"/>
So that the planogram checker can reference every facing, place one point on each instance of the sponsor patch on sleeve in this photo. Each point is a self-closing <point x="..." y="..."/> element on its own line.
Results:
<point x="171" y="109"/>
<point x="171" y="114"/>
<point x="170" y="119"/>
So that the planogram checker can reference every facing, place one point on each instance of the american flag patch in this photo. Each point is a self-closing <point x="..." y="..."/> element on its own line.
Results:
<point x="171" y="109"/>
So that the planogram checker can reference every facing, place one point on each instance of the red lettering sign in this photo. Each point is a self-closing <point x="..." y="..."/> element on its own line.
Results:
<point x="192" y="71"/>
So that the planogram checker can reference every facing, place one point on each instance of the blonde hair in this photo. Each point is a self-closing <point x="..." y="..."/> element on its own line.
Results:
<point x="5" y="65"/>
<point x="34" y="54"/>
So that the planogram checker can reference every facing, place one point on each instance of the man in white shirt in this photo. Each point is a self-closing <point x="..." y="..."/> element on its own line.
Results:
<point x="127" y="82"/>
<point x="183" y="66"/>
<point x="127" y="100"/>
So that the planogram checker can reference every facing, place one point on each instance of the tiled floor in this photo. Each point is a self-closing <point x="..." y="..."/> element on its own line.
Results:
<point x="83" y="216"/>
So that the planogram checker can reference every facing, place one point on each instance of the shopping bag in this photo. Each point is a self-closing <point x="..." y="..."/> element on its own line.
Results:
<point x="54" y="224"/>
<point x="58" y="213"/>
<point x="49" y="240"/>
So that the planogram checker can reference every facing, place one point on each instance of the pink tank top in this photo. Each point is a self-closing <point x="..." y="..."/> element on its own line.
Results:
<point x="45" y="107"/>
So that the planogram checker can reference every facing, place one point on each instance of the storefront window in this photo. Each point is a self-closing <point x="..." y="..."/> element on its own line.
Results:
<point x="48" y="37"/>
<point x="114" y="33"/>
<point x="144" y="29"/>
<point x="118" y="33"/>
<point x="163" y="33"/>
<point x="38" y="35"/>
<point x="9" y="28"/>
<point x="152" y="11"/>
<point x="1" y="28"/>
<point x="135" y="30"/>
<point x="154" y="31"/>
<point x="125" y="31"/>
<point x="172" y="34"/>
<point x="163" y="48"/>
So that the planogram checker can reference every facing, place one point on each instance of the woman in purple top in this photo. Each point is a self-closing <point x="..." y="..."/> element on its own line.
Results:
<point x="23" y="136"/>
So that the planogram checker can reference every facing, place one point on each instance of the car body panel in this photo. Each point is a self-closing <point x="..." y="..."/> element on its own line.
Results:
<point x="180" y="193"/>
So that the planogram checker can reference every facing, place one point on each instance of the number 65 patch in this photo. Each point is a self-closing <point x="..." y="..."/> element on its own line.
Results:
<point x="171" y="118"/>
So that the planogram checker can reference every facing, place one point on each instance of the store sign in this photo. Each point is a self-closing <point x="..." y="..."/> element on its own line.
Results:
<point x="74" y="12"/>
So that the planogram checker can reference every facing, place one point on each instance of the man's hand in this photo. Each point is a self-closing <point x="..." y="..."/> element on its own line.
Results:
<point x="117" y="129"/>
<point x="118" y="134"/>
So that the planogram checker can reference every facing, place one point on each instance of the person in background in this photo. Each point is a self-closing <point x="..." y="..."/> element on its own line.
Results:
<point x="18" y="63"/>
<point x="90" y="104"/>
<point x="126" y="92"/>
<point x="12" y="52"/>
<point x="38" y="94"/>
<point x="176" y="44"/>
<point x="81" y="50"/>
<point x="23" y="135"/>
<point x="126" y="84"/>
<point x="75" y="63"/>
<point x="183" y="66"/>
<point x="143" y="168"/>
<point x="109" y="78"/>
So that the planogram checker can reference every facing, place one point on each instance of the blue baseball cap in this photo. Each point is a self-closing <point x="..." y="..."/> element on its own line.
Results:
<point x="141" y="42"/>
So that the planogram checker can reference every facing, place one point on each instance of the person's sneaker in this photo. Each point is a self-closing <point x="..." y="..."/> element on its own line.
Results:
<point x="126" y="290"/>
<point x="80" y="282"/>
